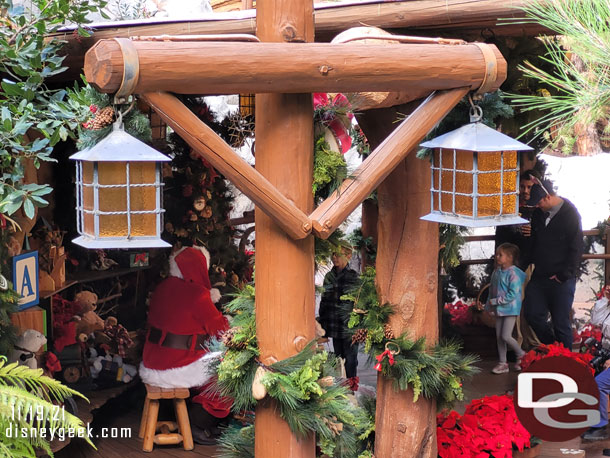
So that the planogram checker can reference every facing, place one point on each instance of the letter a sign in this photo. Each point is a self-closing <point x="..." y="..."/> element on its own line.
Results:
<point x="25" y="278"/>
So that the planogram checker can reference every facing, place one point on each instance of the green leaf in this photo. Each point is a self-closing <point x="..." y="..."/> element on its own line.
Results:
<point x="28" y="208"/>
<point x="6" y="115"/>
<point x="11" y="88"/>
<point x="38" y="201"/>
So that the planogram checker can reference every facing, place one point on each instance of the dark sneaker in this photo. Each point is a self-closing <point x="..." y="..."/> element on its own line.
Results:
<point x="595" y="434"/>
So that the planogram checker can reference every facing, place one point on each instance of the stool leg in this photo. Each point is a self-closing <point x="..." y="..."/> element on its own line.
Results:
<point x="151" y="425"/>
<point x="184" y="424"/>
<point x="144" y="418"/>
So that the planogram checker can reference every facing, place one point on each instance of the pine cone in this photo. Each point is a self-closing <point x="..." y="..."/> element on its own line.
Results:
<point x="359" y="336"/>
<point x="387" y="330"/>
<point x="227" y="339"/>
<point x="102" y="118"/>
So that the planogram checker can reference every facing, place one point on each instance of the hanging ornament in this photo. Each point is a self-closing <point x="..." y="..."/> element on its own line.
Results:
<point x="258" y="389"/>
<point x="3" y="283"/>
<point x="199" y="204"/>
<point x="207" y="212"/>
<point x="391" y="349"/>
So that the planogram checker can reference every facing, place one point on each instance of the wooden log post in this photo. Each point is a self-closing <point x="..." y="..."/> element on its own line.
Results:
<point x="284" y="267"/>
<point x="407" y="277"/>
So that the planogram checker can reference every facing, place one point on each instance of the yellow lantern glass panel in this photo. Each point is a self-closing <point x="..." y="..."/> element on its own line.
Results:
<point x="118" y="193"/>
<point x="455" y="172"/>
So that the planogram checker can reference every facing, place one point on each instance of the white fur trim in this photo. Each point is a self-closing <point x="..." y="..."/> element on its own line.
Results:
<point x="174" y="270"/>
<point x="215" y="295"/>
<point x="195" y="374"/>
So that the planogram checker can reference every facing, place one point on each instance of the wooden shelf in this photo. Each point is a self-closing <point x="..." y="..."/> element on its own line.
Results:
<point x="89" y="276"/>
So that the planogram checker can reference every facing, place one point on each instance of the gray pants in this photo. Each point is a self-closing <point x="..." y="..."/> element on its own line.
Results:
<point x="504" y="337"/>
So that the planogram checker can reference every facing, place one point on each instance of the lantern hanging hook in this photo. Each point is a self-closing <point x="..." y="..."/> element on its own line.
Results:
<point x="476" y="112"/>
<point x="118" y="124"/>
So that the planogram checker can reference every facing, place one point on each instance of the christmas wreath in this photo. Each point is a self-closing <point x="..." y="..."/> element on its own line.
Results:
<point x="305" y="387"/>
<point x="435" y="373"/>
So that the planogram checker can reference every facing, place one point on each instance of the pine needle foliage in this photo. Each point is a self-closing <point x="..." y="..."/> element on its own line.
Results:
<point x="577" y="89"/>
<point x="307" y="404"/>
<point x="329" y="170"/>
<point x="24" y="390"/>
<point x="435" y="373"/>
<point x="83" y="100"/>
<point x="451" y="238"/>
<point x="237" y="442"/>
<point x="325" y="248"/>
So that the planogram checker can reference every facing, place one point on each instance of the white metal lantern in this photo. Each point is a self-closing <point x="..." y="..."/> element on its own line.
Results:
<point x="118" y="193"/>
<point x="475" y="176"/>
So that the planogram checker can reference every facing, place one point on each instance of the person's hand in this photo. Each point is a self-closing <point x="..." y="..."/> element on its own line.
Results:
<point x="554" y="277"/>
<point x="607" y="364"/>
<point x="526" y="230"/>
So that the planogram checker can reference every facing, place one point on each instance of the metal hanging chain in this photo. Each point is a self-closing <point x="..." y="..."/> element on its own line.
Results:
<point x="476" y="112"/>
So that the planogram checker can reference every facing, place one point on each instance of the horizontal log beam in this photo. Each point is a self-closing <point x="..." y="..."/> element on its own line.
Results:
<point x="229" y="68"/>
<point x="454" y="18"/>
<point x="209" y="145"/>
<point x="383" y="160"/>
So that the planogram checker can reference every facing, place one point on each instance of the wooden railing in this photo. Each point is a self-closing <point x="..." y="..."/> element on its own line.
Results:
<point x="605" y="256"/>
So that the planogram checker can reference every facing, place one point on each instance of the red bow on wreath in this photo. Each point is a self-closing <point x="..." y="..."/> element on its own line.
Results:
<point x="379" y="358"/>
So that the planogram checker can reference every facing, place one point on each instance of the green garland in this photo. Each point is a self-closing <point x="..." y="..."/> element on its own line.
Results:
<point x="86" y="101"/>
<point x="304" y="386"/>
<point x="435" y="373"/>
<point x="329" y="170"/>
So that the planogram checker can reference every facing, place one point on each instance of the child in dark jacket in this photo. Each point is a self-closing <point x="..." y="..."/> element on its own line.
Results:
<point x="505" y="301"/>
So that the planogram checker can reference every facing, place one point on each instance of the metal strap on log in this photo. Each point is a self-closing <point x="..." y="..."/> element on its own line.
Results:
<point x="131" y="70"/>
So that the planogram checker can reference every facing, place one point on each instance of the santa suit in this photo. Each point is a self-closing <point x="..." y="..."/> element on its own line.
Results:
<point x="181" y="305"/>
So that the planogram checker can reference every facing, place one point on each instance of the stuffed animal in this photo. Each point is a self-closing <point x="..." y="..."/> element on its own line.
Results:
<point x="111" y="367"/>
<point x="87" y="321"/>
<point x="28" y="344"/>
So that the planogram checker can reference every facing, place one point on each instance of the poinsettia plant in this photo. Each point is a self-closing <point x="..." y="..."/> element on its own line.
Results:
<point x="544" y="351"/>
<point x="488" y="428"/>
<point x="586" y="332"/>
<point x="461" y="313"/>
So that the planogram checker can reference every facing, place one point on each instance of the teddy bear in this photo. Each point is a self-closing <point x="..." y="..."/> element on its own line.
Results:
<point x="87" y="321"/>
<point x="26" y="347"/>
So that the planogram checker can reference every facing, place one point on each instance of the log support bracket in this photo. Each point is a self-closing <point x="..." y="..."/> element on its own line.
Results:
<point x="325" y="219"/>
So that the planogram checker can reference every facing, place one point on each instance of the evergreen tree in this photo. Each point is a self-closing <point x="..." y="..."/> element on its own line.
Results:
<point x="198" y="202"/>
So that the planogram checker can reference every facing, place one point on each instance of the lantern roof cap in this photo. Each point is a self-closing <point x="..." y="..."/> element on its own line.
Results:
<point x="119" y="146"/>
<point x="476" y="136"/>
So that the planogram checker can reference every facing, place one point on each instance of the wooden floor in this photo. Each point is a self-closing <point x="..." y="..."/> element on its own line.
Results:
<point x="125" y="411"/>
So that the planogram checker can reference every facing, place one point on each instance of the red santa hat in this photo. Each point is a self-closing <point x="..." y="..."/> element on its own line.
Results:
<point x="191" y="264"/>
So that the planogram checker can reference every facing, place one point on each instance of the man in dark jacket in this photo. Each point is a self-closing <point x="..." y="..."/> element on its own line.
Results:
<point x="334" y="312"/>
<point x="556" y="251"/>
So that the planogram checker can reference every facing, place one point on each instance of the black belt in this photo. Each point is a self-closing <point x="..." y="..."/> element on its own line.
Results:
<point x="177" y="341"/>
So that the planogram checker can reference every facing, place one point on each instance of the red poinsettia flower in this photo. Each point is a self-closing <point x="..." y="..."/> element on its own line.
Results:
<point x="555" y="349"/>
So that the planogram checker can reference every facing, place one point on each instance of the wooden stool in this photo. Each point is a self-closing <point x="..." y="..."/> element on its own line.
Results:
<point x="149" y="424"/>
